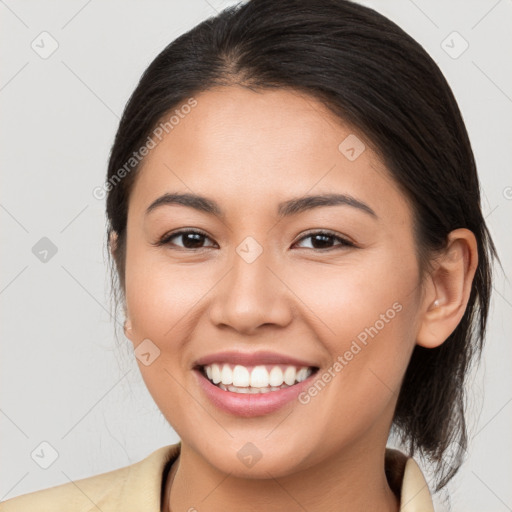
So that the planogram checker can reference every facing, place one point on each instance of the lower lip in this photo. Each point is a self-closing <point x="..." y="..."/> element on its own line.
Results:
<point x="250" y="405"/>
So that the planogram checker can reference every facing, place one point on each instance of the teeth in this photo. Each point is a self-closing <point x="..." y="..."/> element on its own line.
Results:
<point x="289" y="375"/>
<point x="226" y="375"/>
<point x="241" y="376"/>
<point x="251" y="391"/>
<point x="276" y="376"/>
<point x="216" y="376"/>
<point x="257" y="379"/>
<point x="303" y="374"/>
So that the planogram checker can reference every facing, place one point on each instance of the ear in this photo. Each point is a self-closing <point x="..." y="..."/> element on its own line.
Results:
<point x="112" y="246"/>
<point x="112" y="242"/>
<point x="128" y="329"/>
<point x="448" y="289"/>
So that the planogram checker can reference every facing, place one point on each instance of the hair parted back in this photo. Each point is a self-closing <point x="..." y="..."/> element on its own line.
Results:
<point x="375" y="77"/>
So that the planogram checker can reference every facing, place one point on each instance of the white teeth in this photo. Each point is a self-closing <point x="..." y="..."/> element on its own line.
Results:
<point x="303" y="374"/>
<point x="289" y="375"/>
<point x="216" y="376"/>
<point x="251" y="391"/>
<point x="226" y="375"/>
<point x="259" y="380"/>
<point x="276" y="376"/>
<point x="241" y="376"/>
<point x="259" y="377"/>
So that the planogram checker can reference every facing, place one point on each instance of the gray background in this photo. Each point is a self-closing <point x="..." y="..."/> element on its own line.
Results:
<point x="64" y="379"/>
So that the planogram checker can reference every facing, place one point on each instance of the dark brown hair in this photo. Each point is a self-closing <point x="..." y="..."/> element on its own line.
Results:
<point x="375" y="77"/>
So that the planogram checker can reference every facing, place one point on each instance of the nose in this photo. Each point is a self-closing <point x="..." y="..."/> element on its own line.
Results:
<point x="252" y="295"/>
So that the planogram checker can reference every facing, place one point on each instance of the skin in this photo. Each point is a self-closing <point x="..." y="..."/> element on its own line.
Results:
<point x="249" y="151"/>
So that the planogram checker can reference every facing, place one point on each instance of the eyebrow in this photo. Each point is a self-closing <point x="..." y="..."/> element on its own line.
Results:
<point x="288" y="208"/>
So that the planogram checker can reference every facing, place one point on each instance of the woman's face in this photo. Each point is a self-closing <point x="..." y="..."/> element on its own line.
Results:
<point x="261" y="280"/>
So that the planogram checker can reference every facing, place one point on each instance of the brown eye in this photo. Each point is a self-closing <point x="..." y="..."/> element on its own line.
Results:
<point x="194" y="240"/>
<point x="324" y="240"/>
<point x="190" y="239"/>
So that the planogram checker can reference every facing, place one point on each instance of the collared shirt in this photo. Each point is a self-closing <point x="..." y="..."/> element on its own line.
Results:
<point x="138" y="487"/>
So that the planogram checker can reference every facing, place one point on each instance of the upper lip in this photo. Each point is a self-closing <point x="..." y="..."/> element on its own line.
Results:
<point x="251" y="359"/>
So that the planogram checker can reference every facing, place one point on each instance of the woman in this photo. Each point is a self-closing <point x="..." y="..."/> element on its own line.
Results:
<point x="295" y="224"/>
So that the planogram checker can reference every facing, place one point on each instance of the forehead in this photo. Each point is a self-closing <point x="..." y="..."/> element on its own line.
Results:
<point x="261" y="147"/>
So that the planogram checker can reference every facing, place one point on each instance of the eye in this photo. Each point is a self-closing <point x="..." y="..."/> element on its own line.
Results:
<point x="323" y="240"/>
<point x="191" y="239"/>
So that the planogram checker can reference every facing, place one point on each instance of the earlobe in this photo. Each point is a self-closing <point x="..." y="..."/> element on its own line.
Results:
<point x="128" y="328"/>
<point x="451" y="283"/>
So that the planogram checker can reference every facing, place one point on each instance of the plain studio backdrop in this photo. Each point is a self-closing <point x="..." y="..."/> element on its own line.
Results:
<point x="67" y="390"/>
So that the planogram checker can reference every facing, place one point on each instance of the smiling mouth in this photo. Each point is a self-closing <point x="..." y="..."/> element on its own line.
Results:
<point x="255" y="379"/>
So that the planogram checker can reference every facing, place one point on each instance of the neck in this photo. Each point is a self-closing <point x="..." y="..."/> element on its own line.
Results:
<point x="343" y="482"/>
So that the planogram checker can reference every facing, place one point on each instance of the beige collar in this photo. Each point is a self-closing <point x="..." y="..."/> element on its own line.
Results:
<point x="415" y="495"/>
<point x="138" y="487"/>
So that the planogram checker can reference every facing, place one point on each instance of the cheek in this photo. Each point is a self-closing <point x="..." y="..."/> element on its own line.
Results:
<point x="364" y="316"/>
<point x="161" y="300"/>
<point x="346" y="298"/>
<point x="159" y="294"/>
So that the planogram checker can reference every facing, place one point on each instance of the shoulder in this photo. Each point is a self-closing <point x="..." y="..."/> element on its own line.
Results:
<point x="90" y="493"/>
<point x="408" y="482"/>
<point x="415" y="495"/>
<point x="133" y="487"/>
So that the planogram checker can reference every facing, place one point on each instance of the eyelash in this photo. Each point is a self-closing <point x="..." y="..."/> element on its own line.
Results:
<point x="165" y="240"/>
